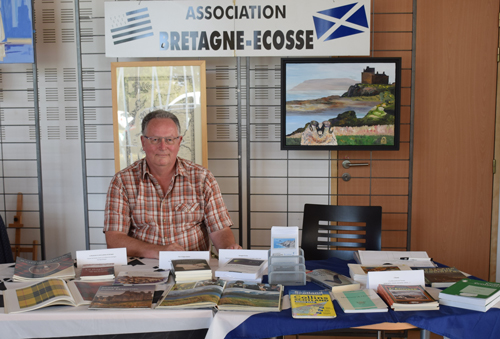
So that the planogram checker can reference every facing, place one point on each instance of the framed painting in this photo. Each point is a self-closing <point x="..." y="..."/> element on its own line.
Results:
<point x="145" y="86"/>
<point x="340" y="103"/>
<point x="16" y="32"/>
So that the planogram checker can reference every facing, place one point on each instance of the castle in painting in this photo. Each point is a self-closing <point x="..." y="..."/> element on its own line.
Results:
<point x="368" y="76"/>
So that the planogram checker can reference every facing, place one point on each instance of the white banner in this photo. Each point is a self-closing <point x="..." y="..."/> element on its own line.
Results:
<point x="219" y="28"/>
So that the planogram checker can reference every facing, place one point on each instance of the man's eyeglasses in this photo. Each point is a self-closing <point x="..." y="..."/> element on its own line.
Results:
<point x="156" y="140"/>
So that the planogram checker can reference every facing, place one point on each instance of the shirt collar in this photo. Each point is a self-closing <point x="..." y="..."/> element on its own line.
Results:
<point x="180" y="169"/>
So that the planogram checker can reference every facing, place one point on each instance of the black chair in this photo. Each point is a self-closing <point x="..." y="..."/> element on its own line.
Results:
<point x="339" y="231"/>
<point x="325" y="233"/>
<point x="5" y="249"/>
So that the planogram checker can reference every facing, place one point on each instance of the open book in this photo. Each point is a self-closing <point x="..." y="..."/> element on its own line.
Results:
<point x="225" y="295"/>
<point x="40" y="294"/>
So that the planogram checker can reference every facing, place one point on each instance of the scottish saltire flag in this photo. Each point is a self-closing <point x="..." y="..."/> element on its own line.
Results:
<point x="132" y="25"/>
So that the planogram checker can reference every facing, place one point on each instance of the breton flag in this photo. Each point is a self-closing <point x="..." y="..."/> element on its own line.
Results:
<point x="132" y="25"/>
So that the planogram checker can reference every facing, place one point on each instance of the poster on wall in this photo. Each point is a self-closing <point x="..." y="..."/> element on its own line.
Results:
<point x="16" y="32"/>
<point x="241" y="28"/>
<point x="340" y="103"/>
<point x="145" y="86"/>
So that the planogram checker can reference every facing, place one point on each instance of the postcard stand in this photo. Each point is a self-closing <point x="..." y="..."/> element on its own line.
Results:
<point x="287" y="270"/>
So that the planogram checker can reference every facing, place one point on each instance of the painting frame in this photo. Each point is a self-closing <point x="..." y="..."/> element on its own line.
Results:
<point x="347" y="103"/>
<point x="139" y="87"/>
<point x="16" y="32"/>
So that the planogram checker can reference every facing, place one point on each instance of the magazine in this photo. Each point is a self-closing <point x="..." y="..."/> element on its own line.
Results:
<point x="40" y="294"/>
<point x="311" y="304"/>
<point x="60" y="267"/>
<point x="225" y="295"/>
<point x="123" y="297"/>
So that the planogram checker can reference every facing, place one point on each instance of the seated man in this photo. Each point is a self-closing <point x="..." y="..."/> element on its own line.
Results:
<point x="165" y="203"/>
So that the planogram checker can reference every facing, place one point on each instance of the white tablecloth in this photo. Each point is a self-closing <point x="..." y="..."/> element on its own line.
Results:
<point x="64" y="321"/>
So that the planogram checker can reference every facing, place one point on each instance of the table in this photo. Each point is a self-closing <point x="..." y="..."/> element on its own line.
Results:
<point x="450" y="322"/>
<point x="66" y="321"/>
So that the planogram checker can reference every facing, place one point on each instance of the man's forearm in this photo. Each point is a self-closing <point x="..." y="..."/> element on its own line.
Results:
<point x="136" y="247"/>
<point x="223" y="239"/>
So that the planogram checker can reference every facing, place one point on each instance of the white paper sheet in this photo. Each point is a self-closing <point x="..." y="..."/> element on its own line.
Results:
<point x="117" y="256"/>
<point x="413" y="277"/>
<point x="410" y="258"/>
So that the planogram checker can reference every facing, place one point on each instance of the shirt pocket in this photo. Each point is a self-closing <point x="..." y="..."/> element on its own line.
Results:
<point x="141" y="220"/>
<point x="188" y="214"/>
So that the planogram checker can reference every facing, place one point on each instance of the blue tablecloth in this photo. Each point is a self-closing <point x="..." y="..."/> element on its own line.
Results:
<point x="454" y="323"/>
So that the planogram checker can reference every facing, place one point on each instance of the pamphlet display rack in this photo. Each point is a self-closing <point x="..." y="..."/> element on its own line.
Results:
<point x="287" y="270"/>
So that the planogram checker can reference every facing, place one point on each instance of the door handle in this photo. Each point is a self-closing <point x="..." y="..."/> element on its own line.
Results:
<point x="347" y="164"/>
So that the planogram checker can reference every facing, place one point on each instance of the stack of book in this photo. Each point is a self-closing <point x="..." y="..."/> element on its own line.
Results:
<point x="380" y="258"/>
<point x="92" y="272"/>
<point x="333" y="281"/>
<point x="185" y="270"/>
<point x="141" y="277"/>
<point x="442" y="276"/>
<point x="31" y="270"/>
<point x="407" y="298"/>
<point x="359" y="272"/>
<point x="242" y="269"/>
<point x="471" y="294"/>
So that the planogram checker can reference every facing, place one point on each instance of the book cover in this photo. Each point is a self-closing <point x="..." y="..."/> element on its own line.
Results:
<point x="189" y="265"/>
<point x="407" y="297"/>
<point x="225" y="295"/>
<point x="360" y="301"/>
<point x="472" y="291"/>
<point x="97" y="271"/>
<point x="84" y="291"/>
<point x="186" y="270"/>
<point x="60" y="267"/>
<point x="241" y="269"/>
<point x="199" y="294"/>
<point x="442" y="276"/>
<point x="311" y="304"/>
<point x="40" y="294"/>
<point x="123" y="297"/>
<point x="251" y="296"/>
<point x="141" y="277"/>
<point x="333" y="281"/>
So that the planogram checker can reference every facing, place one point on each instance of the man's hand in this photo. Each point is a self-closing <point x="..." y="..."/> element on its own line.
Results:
<point x="234" y="247"/>
<point x="174" y="247"/>
<point x="136" y="247"/>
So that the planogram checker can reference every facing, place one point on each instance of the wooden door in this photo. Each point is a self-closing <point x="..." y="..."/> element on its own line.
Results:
<point x="385" y="182"/>
<point x="454" y="120"/>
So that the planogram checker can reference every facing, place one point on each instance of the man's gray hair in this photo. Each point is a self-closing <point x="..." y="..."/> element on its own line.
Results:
<point x="160" y="114"/>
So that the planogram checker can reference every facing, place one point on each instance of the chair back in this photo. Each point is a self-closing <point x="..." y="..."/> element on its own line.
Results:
<point x="5" y="249"/>
<point x="339" y="231"/>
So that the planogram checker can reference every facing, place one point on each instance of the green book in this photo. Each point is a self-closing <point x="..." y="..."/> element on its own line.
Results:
<point x="360" y="301"/>
<point x="472" y="291"/>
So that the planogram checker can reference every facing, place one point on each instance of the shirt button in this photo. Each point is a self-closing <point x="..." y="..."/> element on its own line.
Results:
<point x="164" y="220"/>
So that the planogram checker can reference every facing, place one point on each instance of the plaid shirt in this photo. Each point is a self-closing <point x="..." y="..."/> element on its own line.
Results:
<point x="191" y="208"/>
